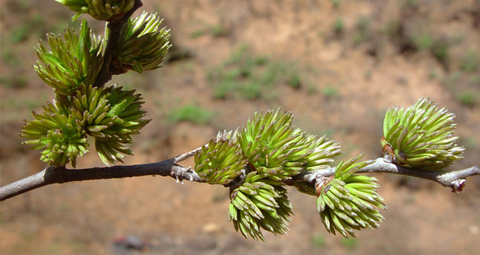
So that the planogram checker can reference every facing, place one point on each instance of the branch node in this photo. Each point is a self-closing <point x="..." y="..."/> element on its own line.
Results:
<point x="458" y="185"/>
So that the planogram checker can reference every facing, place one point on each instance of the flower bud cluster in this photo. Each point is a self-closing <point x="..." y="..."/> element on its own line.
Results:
<point x="421" y="136"/>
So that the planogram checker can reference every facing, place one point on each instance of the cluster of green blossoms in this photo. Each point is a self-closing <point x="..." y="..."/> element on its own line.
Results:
<point x="421" y="136"/>
<point x="71" y="64"/>
<point x="143" y="46"/>
<point x="347" y="202"/>
<point x="258" y="160"/>
<point x="255" y="162"/>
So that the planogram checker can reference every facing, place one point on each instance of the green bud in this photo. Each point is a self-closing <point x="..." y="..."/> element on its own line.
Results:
<point x="421" y="136"/>
<point x="260" y="205"/>
<point x="59" y="132"/>
<point x="219" y="162"/>
<point x="113" y="116"/>
<point x="143" y="45"/>
<point x="278" y="150"/>
<point x="99" y="9"/>
<point x="346" y="201"/>
<point x="71" y="61"/>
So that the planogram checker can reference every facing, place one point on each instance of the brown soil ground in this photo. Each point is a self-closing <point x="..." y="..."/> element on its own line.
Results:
<point x="355" y="59"/>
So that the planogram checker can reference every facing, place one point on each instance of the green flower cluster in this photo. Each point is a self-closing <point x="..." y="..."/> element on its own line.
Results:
<point x="261" y="204"/>
<point x="143" y="45"/>
<point x="71" y="61"/>
<point x="71" y="66"/>
<point x="99" y="9"/>
<point x="279" y="151"/>
<point x="346" y="201"/>
<point x="59" y="132"/>
<point x="219" y="162"/>
<point x="421" y="136"/>
<point x="111" y="116"/>
<point x="255" y="162"/>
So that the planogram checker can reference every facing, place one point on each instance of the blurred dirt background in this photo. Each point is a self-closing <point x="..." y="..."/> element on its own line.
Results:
<point x="337" y="64"/>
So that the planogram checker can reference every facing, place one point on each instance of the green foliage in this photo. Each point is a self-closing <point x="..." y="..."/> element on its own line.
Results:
<point x="421" y="136"/>
<point x="254" y="162"/>
<point x="219" y="30"/>
<point x="251" y="77"/>
<point x="219" y="162"/>
<point x="192" y="113"/>
<point x="350" y="244"/>
<point x="467" y="98"/>
<point x="99" y="9"/>
<point x="257" y="205"/>
<point x="279" y="151"/>
<point x="295" y="81"/>
<point x="143" y="46"/>
<point x="71" y="61"/>
<point x="362" y="29"/>
<point x="59" y="132"/>
<point x="109" y="115"/>
<point x="346" y="202"/>
<point x="318" y="240"/>
<point x="469" y="62"/>
<point x="197" y="33"/>
<point x="338" y="26"/>
<point x="335" y="3"/>
<point x="331" y="92"/>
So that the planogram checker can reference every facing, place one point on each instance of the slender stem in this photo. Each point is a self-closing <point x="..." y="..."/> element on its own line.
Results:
<point x="453" y="179"/>
<point x="52" y="175"/>
<point x="115" y="28"/>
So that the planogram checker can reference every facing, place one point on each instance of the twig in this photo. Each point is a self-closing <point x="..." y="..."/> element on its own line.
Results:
<point x="453" y="179"/>
<point x="115" y="27"/>
<point x="52" y="175"/>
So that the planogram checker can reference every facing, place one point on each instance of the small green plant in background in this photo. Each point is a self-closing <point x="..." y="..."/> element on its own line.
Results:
<point x="362" y="29"/>
<point x="331" y="92"/>
<point x="422" y="41"/>
<point x="318" y="240"/>
<point x="440" y="50"/>
<point x="470" y="61"/>
<point x="295" y="81"/>
<point x="335" y="3"/>
<point x="248" y="76"/>
<point x="338" y="26"/>
<point x="467" y="98"/>
<point x="219" y="30"/>
<point x="191" y="113"/>
<point x="198" y="33"/>
<point x="349" y="244"/>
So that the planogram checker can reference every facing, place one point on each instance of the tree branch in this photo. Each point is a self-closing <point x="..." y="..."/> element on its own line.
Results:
<point x="453" y="179"/>
<point x="115" y="27"/>
<point x="52" y="174"/>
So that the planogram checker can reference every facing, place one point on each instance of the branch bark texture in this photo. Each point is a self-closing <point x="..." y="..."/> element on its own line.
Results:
<point x="453" y="179"/>
<point x="170" y="167"/>
<point x="52" y="175"/>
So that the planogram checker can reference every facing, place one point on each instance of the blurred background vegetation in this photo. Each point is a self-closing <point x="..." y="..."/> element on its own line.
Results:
<point x="337" y="64"/>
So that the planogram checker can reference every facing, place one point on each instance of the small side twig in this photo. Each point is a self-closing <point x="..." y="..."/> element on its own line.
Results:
<point x="453" y="179"/>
